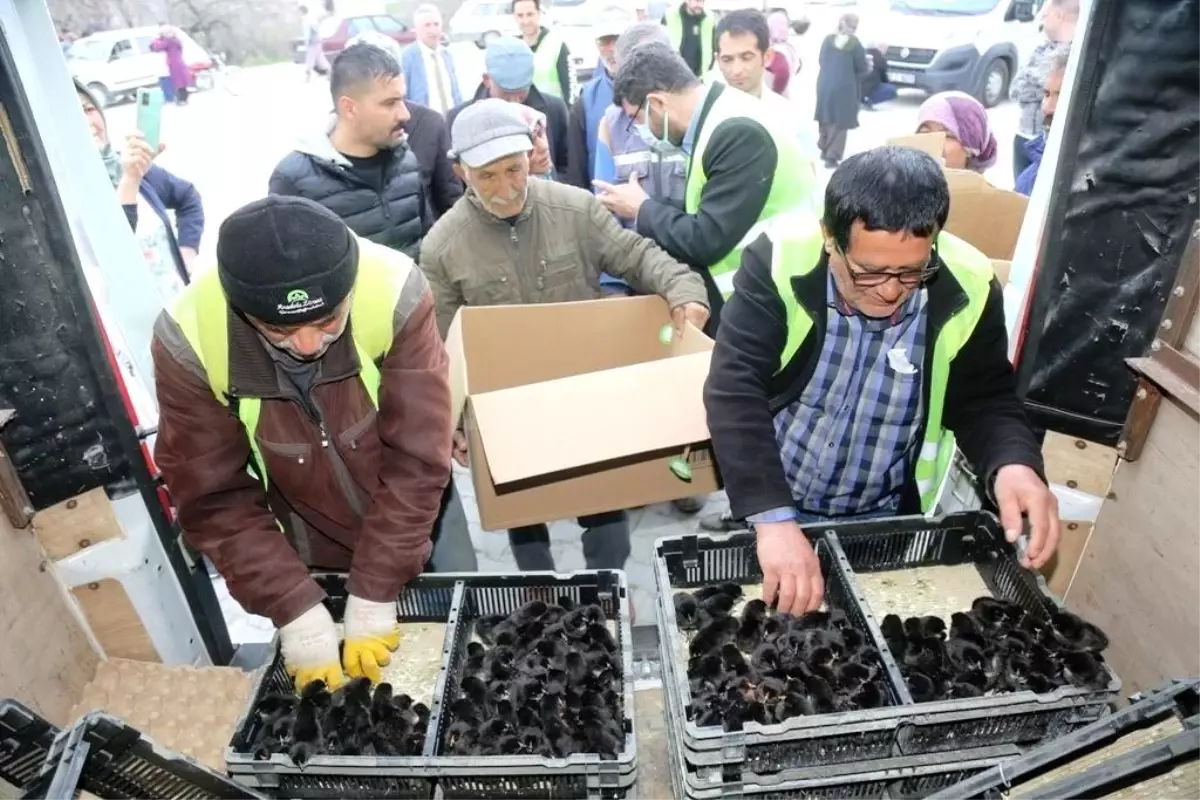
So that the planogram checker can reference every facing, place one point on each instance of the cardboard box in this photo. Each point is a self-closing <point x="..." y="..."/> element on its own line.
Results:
<point x="932" y="143"/>
<point x="578" y="408"/>
<point x="985" y="216"/>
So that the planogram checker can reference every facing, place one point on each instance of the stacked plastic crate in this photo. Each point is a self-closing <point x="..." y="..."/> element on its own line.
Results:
<point x="456" y="601"/>
<point x="900" y="749"/>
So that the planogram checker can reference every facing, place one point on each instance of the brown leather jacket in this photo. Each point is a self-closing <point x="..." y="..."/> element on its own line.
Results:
<point x="362" y="498"/>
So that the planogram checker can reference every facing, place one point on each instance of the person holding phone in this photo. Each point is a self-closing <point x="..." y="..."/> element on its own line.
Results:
<point x="147" y="192"/>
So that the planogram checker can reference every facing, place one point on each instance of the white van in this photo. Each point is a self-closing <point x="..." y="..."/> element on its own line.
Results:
<point x="115" y="64"/>
<point x="974" y="46"/>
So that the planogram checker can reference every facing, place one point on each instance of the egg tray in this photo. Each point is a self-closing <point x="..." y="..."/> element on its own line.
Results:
<point x="1177" y="701"/>
<point x="901" y="728"/>
<point x="106" y="758"/>
<point x="25" y="741"/>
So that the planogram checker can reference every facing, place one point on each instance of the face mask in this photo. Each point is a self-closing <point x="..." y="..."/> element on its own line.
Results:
<point x="657" y="145"/>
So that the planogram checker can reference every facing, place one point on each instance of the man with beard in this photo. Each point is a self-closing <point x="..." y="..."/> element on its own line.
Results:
<point x="304" y="424"/>
<point x="512" y="240"/>
<point x="361" y="167"/>
<point x="1036" y="147"/>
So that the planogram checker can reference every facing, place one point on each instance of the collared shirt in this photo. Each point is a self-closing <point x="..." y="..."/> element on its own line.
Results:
<point x="847" y="442"/>
<point x="435" y="66"/>
<point x="693" y="129"/>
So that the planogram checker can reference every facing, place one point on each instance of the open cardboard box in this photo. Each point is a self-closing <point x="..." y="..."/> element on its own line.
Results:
<point x="578" y="408"/>
<point x="987" y="217"/>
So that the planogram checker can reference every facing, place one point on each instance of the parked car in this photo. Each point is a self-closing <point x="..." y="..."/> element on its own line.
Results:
<point x="795" y="10"/>
<point x="115" y="64"/>
<point x="336" y="31"/>
<point x="973" y="46"/>
<point x="480" y="21"/>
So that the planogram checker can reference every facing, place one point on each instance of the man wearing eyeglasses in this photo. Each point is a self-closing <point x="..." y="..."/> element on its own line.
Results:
<point x="853" y="353"/>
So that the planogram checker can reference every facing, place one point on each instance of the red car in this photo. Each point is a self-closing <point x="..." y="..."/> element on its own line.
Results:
<point x="336" y="31"/>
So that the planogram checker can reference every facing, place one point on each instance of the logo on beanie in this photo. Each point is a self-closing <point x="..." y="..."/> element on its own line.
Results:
<point x="299" y="302"/>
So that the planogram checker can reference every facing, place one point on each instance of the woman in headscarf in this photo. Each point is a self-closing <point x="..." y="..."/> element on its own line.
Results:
<point x="843" y="65"/>
<point x="969" y="140"/>
<point x="785" y="61"/>
<point x="146" y="192"/>
<point x="169" y="43"/>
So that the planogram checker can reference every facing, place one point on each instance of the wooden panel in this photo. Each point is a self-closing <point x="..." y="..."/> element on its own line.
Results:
<point x="115" y="622"/>
<point x="13" y="499"/>
<point x="1140" y="575"/>
<point x="76" y="524"/>
<point x="1061" y="569"/>
<point x="1078" y="463"/>
<point x="45" y="656"/>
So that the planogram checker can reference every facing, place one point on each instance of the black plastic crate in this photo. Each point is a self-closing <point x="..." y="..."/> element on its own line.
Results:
<point x="1178" y="699"/>
<point x="687" y="562"/>
<point x="109" y="759"/>
<point x="774" y="764"/>
<point x="428" y="598"/>
<point x="1022" y="718"/>
<point x="914" y="782"/>
<point x="583" y="775"/>
<point x="25" y="741"/>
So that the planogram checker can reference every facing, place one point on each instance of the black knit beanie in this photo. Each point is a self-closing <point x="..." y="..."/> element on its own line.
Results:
<point x="286" y="260"/>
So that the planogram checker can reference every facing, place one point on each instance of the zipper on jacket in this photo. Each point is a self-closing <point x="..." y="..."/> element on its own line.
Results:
<point x="340" y="471"/>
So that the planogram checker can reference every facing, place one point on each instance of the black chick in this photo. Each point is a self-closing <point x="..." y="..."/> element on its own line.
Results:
<point x="750" y="629"/>
<point x="306" y="733"/>
<point x="714" y="635"/>
<point x="921" y="687"/>
<point x="894" y="632"/>
<point x="475" y="656"/>
<point x="965" y="626"/>
<point x="485" y="625"/>
<point x="1084" y="669"/>
<point x="765" y="658"/>
<point x="733" y="660"/>
<point x="1074" y="633"/>
<point x="686" y="610"/>
<point x="599" y="635"/>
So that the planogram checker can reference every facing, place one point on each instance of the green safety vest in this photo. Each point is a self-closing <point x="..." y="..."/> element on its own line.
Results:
<point x="796" y="249"/>
<point x="791" y="187"/>
<point x="202" y="313"/>
<point x="675" y="32"/>
<point x="545" y="65"/>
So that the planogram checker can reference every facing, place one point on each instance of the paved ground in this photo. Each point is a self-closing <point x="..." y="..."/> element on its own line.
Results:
<point x="228" y="144"/>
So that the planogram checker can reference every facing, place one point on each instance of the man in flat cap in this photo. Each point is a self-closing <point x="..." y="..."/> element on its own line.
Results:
<point x="511" y="240"/>
<point x="303" y="387"/>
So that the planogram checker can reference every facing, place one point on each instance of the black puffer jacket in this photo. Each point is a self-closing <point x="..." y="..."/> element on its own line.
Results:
<point x="398" y="217"/>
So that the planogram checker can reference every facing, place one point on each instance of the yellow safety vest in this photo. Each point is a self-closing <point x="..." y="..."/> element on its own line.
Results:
<point x="796" y="244"/>
<point x="675" y="33"/>
<point x="791" y="187"/>
<point x="545" y="65"/>
<point x="202" y="313"/>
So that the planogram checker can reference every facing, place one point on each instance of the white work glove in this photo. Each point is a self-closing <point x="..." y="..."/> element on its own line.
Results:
<point x="310" y="649"/>
<point x="372" y="634"/>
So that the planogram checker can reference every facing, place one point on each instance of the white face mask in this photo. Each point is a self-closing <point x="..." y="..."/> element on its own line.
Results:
<point x="662" y="146"/>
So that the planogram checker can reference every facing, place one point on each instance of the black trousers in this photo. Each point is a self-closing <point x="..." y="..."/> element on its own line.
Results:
<point x="832" y="142"/>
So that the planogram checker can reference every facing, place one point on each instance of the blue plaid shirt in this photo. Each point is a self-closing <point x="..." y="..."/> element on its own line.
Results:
<point x="846" y="443"/>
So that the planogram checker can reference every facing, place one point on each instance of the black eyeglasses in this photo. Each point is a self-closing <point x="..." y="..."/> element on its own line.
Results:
<point x="908" y="278"/>
<point x="632" y="124"/>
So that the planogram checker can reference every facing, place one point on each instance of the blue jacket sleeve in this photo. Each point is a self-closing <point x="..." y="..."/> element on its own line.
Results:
<point x="183" y="198"/>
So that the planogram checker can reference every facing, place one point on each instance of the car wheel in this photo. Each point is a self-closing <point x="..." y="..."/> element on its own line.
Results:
<point x="488" y="38"/>
<point x="100" y="94"/>
<point x="204" y="80"/>
<point x="995" y="83"/>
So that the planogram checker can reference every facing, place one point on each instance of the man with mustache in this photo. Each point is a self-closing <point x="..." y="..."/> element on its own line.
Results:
<point x="304" y="424"/>
<point x="381" y="167"/>
<point x="1036" y="147"/>
<point x="512" y="240"/>
<point x="361" y="167"/>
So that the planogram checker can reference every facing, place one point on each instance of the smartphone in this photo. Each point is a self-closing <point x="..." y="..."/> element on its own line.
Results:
<point x="149" y="116"/>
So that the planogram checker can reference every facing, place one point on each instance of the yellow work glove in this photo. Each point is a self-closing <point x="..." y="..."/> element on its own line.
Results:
<point x="372" y="635"/>
<point x="310" y="649"/>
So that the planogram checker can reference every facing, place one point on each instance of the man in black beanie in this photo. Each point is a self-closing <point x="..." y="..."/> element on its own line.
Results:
<point x="303" y="386"/>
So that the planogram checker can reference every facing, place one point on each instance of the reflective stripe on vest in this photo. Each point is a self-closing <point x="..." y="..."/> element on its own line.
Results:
<point x="675" y="32"/>
<point x="791" y="187"/>
<point x="545" y="65"/>
<point x="202" y="314"/>
<point x="795" y="251"/>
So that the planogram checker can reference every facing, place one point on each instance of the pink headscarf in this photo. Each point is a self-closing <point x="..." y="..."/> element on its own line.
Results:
<point x="966" y="120"/>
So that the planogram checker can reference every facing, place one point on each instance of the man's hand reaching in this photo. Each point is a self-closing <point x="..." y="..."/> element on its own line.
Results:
<point x="792" y="579"/>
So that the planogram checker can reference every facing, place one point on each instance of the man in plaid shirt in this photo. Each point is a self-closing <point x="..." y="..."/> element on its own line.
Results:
<point x="853" y="354"/>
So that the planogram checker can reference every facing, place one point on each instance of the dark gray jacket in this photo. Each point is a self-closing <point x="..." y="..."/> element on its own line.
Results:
<point x="398" y="217"/>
